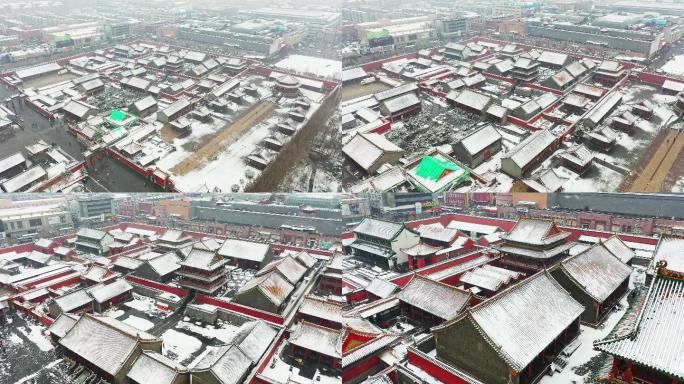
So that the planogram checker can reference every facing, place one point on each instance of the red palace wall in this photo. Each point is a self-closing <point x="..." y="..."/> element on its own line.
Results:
<point x="433" y="369"/>
<point x="252" y="312"/>
<point x="360" y="367"/>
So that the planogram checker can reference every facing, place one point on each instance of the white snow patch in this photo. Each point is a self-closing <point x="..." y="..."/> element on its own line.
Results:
<point x="675" y="66"/>
<point x="37" y="337"/>
<point x="225" y="333"/>
<point x="139" y="323"/>
<point x="180" y="344"/>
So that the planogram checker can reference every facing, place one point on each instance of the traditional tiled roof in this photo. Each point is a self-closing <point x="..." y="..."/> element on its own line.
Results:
<point x="73" y="300"/>
<point x="63" y="324"/>
<point x="272" y="285"/>
<point x="381" y="288"/>
<point x="254" y="338"/>
<point x="596" y="271"/>
<point x="619" y="249"/>
<point x="288" y="267"/>
<point x="153" y="367"/>
<point x="670" y="250"/>
<point x="203" y="259"/>
<point x="438" y="299"/>
<point x="523" y="320"/>
<point x="317" y="307"/>
<point x="316" y="338"/>
<point x="228" y="364"/>
<point x="244" y="250"/>
<point x="657" y="339"/>
<point x="103" y="292"/>
<point x="535" y="231"/>
<point x="165" y="264"/>
<point x="377" y="228"/>
<point x="104" y="342"/>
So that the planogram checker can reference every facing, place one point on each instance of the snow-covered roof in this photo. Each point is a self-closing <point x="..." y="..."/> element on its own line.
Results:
<point x="531" y="147"/>
<point x="165" y="264"/>
<point x="657" y="338"/>
<point x="272" y="285"/>
<point x="437" y="233"/>
<point x="103" y="292"/>
<point x="172" y="236"/>
<point x="89" y="233"/>
<point x="137" y="82"/>
<point x="523" y="320"/>
<point x="317" y="307"/>
<point x="104" y="342"/>
<point x="489" y="277"/>
<point x="353" y="74"/>
<point x="38" y="257"/>
<point x="38" y="70"/>
<point x="596" y="271"/>
<point x="73" y="300"/>
<point x="480" y="139"/>
<point x="21" y="180"/>
<point x="459" y="268"/>
<point x="98" y="273"/>
<point x="203" y="259"/>
<point x="228" y="364"/>
<point x="290" y="269"/>
<point x="562" y="78"/>
<point x="63" y="324"/>
<point x="316" y="338"/>
<point x="473" y="227"/>
<point x="673" y="85"/>
<point x="472" y="99"/>
<point x="438" y="299"/>
<point x="378" y="228"/>
<point x="421" y="249"/>
<point x="601" y="109"/>
<point x="127" y="262"/>
<point x="244" y="250"/>
<point x="145" y="103"/>
<point x="619" y="249"/>
<point x="365" y="149"/>
<point x="176" y="107"/>
<point x="546" y="181"/>
<point x="535" y="231"/>
<point x="305" y="259"/>
<point x="400" y="103"/>
<point x="366" y="349"/>
<point x="12" y="161"/>
<point x="153" y="367"/>
<point x="394" y="92"/>
<point x="253" y="339"/>
<point x="381" y="288"/>
<point x="670" y="250"/>
<point x="586" y="89"/>
<point x="553" y="58"/>
<point x="578" y="154"/>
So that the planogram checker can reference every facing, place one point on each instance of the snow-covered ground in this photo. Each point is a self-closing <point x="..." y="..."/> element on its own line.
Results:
<point x="281" y="372"/>
<point x="224" y="332"/>
<point x="180" y="345"/>
<point x="309" y="65"/>
<point x="675" y="66"/>
<point x="36" y="333"/>
<point x="139" y="323"/>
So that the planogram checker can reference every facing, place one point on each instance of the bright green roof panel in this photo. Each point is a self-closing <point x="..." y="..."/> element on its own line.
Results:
<point x="432" y="168"/>
<point x="117" y="115"/>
